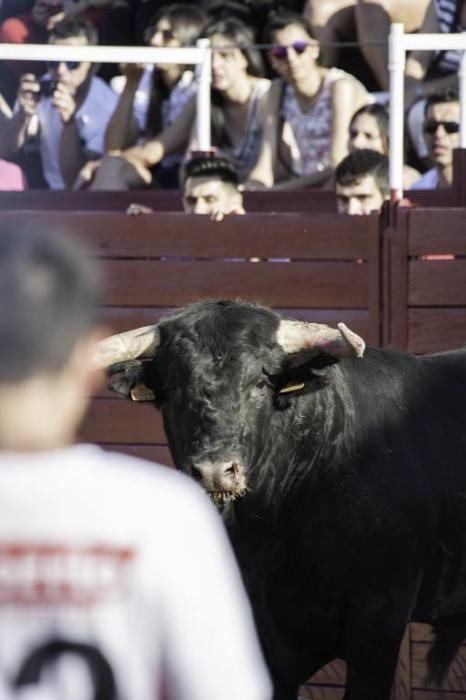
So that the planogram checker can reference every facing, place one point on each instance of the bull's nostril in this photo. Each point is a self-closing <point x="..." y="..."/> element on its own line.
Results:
<point x="196" y="473"/>
<point x="231" y="470"/>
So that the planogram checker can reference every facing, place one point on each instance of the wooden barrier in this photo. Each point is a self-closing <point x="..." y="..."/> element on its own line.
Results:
<point x="425" y="292"/>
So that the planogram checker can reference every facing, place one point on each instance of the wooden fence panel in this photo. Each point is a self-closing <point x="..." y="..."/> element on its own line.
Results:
<point x="426" y="267"/>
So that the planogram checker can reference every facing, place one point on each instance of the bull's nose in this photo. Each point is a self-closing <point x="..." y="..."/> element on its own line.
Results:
<point x="216" y="475"/>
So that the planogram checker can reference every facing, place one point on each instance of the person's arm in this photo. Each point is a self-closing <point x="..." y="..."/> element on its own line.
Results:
<point x="264" y="171"/>
<point x="14" y="129"/>
<point x="170" y="140"/>
<point x="346" y="97"/>
<point x="122" y="129"/>
<point x="209" y="641"/>
<point x="417" y="64"/>
<point x="72" y="153"/>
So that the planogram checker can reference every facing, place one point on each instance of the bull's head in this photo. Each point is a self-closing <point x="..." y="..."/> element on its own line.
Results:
<point x="218" y="371"/>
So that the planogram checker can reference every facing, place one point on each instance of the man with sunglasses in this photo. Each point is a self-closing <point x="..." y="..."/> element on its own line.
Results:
<point x="73" y="107"/>
<point x="441" y="134"/>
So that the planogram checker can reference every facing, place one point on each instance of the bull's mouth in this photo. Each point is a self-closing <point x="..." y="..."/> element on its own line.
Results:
<point x="220" y="498"/>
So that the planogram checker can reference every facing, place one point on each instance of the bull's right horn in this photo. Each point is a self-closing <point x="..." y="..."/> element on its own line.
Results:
<point x="140" y="342"/>
<point x="294" y="336"/>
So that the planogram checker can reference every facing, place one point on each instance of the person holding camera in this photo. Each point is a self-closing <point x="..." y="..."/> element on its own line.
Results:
<point x="69" y="105"/>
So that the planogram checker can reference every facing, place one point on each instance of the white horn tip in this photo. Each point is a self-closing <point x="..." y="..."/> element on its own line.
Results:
<point x="355" y="341"/>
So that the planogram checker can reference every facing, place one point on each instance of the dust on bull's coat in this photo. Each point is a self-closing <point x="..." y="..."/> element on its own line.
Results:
<point x="340" y="474"/>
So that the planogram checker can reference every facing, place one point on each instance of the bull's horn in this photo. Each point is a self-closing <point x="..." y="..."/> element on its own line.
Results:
<point x="294" y="336"/>
<point x="141" y="342"/>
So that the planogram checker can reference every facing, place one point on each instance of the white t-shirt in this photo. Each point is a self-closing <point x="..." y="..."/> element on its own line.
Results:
<point x="129" y="559"/>
<point x="429" y="181"/>
<point x="91" y="118"/>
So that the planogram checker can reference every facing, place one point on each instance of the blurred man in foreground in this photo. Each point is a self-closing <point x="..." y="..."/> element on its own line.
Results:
<point x="115" y="573"/>
<point x="362" y="182"/>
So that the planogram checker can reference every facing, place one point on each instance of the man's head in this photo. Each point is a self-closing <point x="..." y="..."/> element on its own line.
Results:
<point x="362" y="182"/>
<point x="49" y="291"/>
<point x="72" y="32"/>
<point x="441" y="127"/>
<point x="211" y="187"/>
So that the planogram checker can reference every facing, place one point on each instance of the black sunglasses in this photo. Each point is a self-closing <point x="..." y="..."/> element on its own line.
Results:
<point x="71" y="65"/>
<point x="432" y="125"/>
<point x="281" y="52"/>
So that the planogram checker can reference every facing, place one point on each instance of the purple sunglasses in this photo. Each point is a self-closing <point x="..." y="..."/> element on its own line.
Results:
<point x="281" y="52"/>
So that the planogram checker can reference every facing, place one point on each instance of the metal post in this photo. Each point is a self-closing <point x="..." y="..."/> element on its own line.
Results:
<point x="396" y="66"/>
<point x="462" y="92"/>
<point x="203" y="73"/>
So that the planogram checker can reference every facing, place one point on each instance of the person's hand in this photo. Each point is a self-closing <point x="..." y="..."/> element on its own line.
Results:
<point x="86" y="174"/>
<point x="135" y="156"/>
<point x="219" y="214"/>
<point x="28" y="94"/>
<point x="132" y="71"/>
<point x="135" y="209"/>
<point x="47" y="13"/>
<point x="64" y="102"/>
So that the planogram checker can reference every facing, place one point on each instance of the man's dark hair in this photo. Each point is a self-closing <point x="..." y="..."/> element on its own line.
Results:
<point x="216" y="167"/>
<point x="49" y="291"/>
<point x="75" y="27"/>
<point x="361" y="163"/>
<point x="440" y="96"/>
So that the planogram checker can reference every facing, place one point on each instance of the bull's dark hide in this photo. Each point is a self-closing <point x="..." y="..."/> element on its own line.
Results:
<point x="353" y="518"/>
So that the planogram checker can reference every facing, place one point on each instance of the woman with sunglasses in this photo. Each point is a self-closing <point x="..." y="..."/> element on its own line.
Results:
<point x="308" y="112"/>
<point x="369" y="129"/>
<point x="239" y="93"/>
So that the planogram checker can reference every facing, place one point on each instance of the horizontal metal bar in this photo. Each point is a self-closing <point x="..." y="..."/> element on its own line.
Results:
<point x="434" y="42"/>
<point x="101" y="54"/>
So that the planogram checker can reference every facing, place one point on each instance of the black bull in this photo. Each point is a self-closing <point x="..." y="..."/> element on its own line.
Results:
<point x="342" y="483"/>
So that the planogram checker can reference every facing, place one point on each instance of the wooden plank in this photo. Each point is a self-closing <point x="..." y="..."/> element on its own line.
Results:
<point x="295" y="236"/>
<point x="396" y="270"/>
<point x="312" y="692"/>
<point x="433" y="198"/>
<point x="436" y="330"/>
<point x="421" y="632"/>
<point x="455" y="680"/>
<point x="121" y="319"/>
<point x="152" y="453"/>
<point x="120" y="421"/>
<point x="437" y="231"/>
<point x="437" y="283"/>
<point x="333" y="673"/>
<point x="402" y="683"/>
<point x="322" y="284"/>
<point x="436" y="695"/>
<point x="160" y="200"/>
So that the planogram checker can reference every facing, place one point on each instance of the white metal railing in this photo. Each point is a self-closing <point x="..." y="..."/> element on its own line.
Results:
<point x="200" y="56"/>
<point x="398" y="44"/>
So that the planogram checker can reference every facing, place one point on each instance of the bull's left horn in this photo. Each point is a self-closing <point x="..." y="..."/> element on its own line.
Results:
<point x="140" y="342"/>
<point x="294" y="336"/>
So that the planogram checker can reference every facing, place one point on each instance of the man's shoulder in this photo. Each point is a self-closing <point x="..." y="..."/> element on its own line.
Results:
<point x="428" y="181"/>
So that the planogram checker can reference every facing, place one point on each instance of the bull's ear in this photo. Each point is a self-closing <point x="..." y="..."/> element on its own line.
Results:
<point x="130" y="383"/>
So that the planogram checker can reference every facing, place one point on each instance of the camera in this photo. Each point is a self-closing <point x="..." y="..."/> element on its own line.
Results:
<point x="47" y="86"/>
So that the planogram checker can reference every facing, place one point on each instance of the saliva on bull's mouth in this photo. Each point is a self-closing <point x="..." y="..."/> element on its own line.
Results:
<point x="221" y="498"/>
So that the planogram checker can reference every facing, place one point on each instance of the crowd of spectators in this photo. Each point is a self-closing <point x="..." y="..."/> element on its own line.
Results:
<point x="286" y="108"/>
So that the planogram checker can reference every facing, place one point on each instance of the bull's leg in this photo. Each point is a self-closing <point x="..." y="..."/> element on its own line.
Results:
<point x="373" y="645"/>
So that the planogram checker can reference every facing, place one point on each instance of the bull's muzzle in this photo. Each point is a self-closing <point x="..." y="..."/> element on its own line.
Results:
<point x="223" y="481"/>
